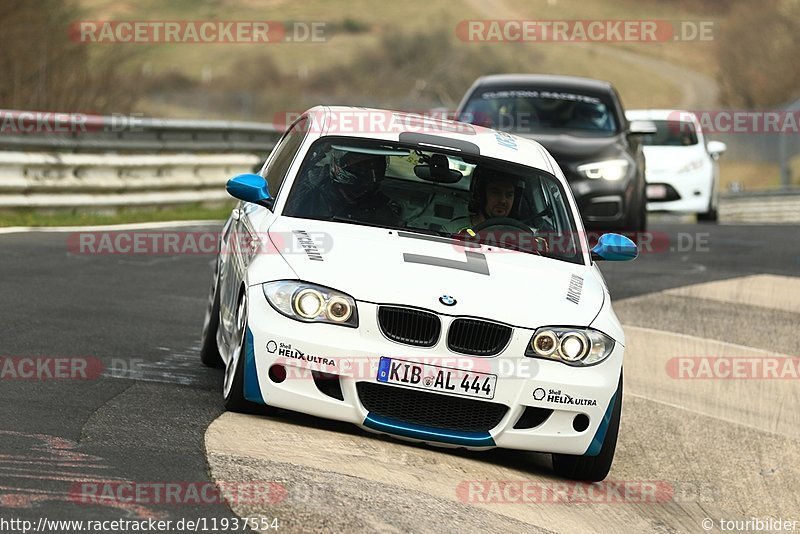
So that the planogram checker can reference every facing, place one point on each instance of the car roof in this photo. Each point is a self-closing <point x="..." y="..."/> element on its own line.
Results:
<point x="543" y="80"/>
<point x="660" y="114"/>
<point x="389" y="125"/>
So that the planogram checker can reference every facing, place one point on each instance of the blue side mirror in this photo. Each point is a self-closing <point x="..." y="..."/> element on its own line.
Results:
<point x="614" y="247"/>
<point x="249" y="187"/>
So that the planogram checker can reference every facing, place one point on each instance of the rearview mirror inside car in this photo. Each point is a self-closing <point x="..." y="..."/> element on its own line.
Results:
<point x="437" y="169"/>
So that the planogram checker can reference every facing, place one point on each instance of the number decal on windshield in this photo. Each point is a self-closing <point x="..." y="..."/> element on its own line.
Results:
<point x="476" y="261"/>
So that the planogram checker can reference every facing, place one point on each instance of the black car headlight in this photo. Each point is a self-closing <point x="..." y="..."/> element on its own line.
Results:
<point x="574" y="346"/>
<point x="311" y="303"/>
<point x="610" y="169"/>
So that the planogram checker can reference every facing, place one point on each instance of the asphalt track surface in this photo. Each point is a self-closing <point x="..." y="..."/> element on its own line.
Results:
<point x="149" y="424"/>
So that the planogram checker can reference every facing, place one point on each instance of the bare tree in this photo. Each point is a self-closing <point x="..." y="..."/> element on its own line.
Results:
<point x="43" y="68"/>
<point x="758" y="49"/>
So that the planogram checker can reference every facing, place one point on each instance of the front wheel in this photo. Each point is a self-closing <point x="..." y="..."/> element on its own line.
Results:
<point x="233" y="384"/>
<point x="209" y="352"/>
<point x="711" y="215"/>
<point x="637" y="219"/>
<point x="593" y="468"/>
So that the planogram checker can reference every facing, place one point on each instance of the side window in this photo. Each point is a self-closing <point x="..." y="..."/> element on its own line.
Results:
<point x="283" y="154"/>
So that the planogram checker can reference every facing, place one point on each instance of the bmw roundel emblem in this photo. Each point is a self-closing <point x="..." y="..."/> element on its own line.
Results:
<point x="447" y="300"/>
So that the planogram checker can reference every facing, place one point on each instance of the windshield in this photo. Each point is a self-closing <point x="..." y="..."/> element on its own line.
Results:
<point x="671" y="133"/>
<point x="532" y="110"/>
<point x="389" y="185"/>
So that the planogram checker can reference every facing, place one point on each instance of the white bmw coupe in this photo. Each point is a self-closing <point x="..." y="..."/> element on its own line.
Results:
<point x="426" y="279"/>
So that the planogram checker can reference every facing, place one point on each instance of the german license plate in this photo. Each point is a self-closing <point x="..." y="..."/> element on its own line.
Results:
<point x="656" y="191"/>
<point x="437" y="378"/>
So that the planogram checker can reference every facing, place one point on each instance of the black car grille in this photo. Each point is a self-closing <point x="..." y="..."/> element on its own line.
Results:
<point x="409" y="326"/>
<point x="478" y="338"/>
<point x="430" y="409"/>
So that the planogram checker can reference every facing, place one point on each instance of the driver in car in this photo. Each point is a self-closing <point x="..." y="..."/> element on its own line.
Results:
<point x="346" y="188"/>
<point x="493" y="196"/>
<point x="495" y="199"/>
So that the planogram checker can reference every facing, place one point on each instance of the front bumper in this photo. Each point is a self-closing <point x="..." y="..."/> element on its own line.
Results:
<point x="603" y="203"/>
<point x="349" y="356"/>
<point x="687" y="192"/>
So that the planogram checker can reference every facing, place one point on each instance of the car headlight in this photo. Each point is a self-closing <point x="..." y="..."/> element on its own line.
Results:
<point x="311" y="303"/>
<point x="691" y="166"/>
<point x="612" y="169"/>
<point x="574" y="346"/>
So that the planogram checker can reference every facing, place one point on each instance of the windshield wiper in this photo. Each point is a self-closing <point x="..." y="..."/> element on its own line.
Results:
<point x="428" y="231"/>
<point x="347" y="220"/>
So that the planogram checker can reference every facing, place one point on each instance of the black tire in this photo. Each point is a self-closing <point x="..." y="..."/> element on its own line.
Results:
<point x="643" y="216"/>
<point x="593" y="468"/>
<point x="236" y="401"/>
<point x="637" y="221"/>
<point x="209" y="352"/>
<point x="711" y="214"/>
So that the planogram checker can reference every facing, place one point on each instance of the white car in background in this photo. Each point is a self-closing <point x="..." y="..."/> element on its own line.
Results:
<point x="682" y="171"/>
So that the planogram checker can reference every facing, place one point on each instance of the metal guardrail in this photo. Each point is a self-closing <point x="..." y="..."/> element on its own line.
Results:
<point x="766" y="206"/>
<point x="62" y="160"/>
<point x="67" y="160"/>
<point x="75" y="132"/>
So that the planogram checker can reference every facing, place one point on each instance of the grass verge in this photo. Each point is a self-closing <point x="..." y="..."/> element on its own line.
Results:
<point x="85" y="217"/>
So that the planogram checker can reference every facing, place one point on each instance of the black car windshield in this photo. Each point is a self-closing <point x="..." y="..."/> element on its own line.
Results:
<point x="478" y="199"/>
<point x="671" y="133"/>
<point x="540" y="110"/>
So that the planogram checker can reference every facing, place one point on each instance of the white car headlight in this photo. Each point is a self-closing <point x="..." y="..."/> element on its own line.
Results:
<point x="573" y="346"/>
<point x="311" y="303"/>
<point x="612" y="169"/>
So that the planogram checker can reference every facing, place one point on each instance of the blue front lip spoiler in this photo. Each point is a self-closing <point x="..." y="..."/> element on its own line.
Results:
<point x="426" y="433"/>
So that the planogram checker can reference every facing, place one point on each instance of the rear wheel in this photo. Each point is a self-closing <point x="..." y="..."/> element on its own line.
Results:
<point x="233" y="385"/>
<point x="593" y="468"/>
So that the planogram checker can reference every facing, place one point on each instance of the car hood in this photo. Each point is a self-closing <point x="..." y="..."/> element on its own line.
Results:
<point x="670" y="158"/>
<point x="577" y="149"/>
<point x="375" y="265"/>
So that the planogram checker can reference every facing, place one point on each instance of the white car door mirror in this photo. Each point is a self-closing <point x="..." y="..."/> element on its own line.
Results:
<point x="716" y="148"/>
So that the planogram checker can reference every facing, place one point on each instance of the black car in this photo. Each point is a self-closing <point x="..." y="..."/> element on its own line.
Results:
<point x="582" y="123"/>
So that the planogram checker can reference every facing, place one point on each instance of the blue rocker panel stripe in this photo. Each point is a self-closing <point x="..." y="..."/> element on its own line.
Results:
<point x="411" y="430"/>
<point x="600" y="435"/>
<point x="252" y="391"/>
